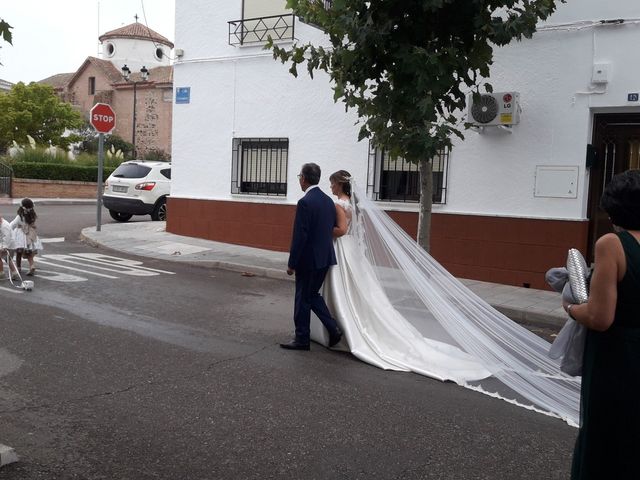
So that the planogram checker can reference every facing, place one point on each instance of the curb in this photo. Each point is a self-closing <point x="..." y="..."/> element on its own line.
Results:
<point x="531" y="317"/>
<point x="220" y="264"/>
<point x="7" y="455"/>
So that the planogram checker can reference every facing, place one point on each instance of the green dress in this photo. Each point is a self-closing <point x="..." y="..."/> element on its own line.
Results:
<point x="608" y="444"/>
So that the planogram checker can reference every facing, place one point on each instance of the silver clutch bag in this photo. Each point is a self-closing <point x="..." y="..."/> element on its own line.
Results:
<point x="578" y="274"/>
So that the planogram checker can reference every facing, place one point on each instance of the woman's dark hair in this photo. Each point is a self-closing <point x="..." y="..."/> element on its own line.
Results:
<point x="311" y="172"/>
<point x="342" y="178"/>
<point x="26" y="211"/>
<point x="621" y="200"/>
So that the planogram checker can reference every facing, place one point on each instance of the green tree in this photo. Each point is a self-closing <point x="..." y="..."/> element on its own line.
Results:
<point x="406" y="66"/>
<point x="5" y="32"/>
<point x="35" y="110"/>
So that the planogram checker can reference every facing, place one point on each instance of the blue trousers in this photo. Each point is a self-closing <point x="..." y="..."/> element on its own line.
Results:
<point x="308" y="298"/>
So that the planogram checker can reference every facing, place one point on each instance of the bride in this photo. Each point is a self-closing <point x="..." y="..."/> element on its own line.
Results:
<point x="400" y="310"/>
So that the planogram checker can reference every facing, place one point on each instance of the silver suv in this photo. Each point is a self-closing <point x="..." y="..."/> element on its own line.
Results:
<point x="138" y="187"/>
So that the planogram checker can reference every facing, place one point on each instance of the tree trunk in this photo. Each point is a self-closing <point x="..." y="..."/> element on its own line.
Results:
<point x="426" y="201"/>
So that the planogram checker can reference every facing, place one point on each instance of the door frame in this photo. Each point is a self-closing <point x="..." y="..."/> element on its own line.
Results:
<point x="607" y="162"/>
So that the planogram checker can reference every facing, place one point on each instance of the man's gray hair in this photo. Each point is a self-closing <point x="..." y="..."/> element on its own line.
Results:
<point x="311" y="172"/>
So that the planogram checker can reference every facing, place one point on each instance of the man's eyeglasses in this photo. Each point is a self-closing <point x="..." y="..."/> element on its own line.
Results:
<point x="300" y="175"/>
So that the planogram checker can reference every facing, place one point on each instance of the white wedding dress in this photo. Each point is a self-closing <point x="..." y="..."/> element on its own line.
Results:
<point x="400" y="310"/>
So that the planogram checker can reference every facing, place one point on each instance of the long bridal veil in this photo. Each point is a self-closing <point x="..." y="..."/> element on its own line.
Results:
<point x="402" y="310"/>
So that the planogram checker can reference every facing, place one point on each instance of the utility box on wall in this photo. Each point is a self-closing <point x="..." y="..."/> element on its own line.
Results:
<point x="556" y="181"/>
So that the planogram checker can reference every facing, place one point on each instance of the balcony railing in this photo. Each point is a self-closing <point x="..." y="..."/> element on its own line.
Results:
<point x="256" y="30"/>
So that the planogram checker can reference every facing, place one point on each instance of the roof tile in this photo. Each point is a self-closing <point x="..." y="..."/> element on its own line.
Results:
<point x="136" y="30"/>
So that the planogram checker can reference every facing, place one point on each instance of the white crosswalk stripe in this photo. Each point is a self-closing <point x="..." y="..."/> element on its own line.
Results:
<point x="52" y="240"/>
<point x="80" y="267"/>
<point x="11" y="289"/>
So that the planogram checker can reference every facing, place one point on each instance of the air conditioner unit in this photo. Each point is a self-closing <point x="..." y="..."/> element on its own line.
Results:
<point x="491" y="109"/>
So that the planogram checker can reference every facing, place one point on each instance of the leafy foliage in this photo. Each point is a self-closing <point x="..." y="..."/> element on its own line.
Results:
<point x="43" y="155"/>
<point x="5" y="32"/>
<point x="90" y="143"/>
<point x="58" y="171"/>
<point x="407" y="65"/>
<point x="157" y="155"/>
<point x="35" y="110"/>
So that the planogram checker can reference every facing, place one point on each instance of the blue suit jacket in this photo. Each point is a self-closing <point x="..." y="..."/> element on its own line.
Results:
<point x="312" y="241"/>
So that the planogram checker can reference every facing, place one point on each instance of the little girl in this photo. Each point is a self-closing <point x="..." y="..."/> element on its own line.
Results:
<point x="26" y="239"/>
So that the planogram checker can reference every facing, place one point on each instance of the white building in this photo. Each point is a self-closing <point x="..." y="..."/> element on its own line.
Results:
<point x="513" y="200"/>
<point x="5" y="86"/>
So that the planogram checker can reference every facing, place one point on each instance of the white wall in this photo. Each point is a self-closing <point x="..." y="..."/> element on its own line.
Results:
<point x="242" y="92"/>
<point x="135" y="53"/>
<point x="229" y="100"/>
<point x="494" y="172"/>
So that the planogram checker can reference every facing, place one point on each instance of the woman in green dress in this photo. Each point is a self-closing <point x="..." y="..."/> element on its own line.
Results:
<point x="608" y="444"/>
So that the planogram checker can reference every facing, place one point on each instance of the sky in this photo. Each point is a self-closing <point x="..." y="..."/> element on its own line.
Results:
<point x="51" y="37"/>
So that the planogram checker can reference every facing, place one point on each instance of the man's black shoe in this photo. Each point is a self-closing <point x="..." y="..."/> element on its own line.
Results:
<point x="335" y="338"/>
<point x="295" y="346"/>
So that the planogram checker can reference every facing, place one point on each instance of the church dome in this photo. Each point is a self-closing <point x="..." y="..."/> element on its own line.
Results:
<point x="136" y="31"/>
<point x="136" y="46"/>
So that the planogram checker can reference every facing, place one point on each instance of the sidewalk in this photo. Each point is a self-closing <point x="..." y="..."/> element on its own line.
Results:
<point x="149" y="239"/>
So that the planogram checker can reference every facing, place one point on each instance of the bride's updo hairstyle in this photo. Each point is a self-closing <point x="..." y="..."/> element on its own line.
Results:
<point x="621" y="200"/>
<point x="342" y="178"/>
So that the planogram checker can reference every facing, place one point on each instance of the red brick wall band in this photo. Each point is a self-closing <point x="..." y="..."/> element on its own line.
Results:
<point x="513" y="251"/>
<point x="21" y="188"/>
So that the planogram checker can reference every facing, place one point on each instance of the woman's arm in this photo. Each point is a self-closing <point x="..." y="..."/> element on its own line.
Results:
<point x="610" y="264"/>
<point x="341" y="222"/>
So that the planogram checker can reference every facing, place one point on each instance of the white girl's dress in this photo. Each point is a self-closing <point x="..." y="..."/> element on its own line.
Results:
<point x="25" y="236"/>
<point x="6" y="236"/>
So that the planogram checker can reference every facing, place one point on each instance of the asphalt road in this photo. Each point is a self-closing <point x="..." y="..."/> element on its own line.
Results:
<point x="115" y="369"/>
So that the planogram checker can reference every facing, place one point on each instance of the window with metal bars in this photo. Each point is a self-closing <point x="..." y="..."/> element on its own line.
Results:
<point x="396" y="180"/>
<point x="259" y="166"/>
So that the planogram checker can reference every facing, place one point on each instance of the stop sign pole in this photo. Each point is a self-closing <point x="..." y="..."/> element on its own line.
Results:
<point x="103" y="119"/>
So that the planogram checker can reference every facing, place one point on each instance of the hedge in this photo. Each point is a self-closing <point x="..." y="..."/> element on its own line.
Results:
<point x="55" y="171"/>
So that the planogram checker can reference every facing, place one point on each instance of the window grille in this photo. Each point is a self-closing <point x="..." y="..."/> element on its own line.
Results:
<point x="255" y="30"/>
<point x="396" y="180"/>
<point x="259" y="166"/>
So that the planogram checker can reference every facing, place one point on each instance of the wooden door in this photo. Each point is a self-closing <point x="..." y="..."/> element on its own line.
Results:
<point x="616" y="141"/>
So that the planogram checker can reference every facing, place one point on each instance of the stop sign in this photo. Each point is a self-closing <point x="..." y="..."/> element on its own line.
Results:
<point x="102" y="117"/>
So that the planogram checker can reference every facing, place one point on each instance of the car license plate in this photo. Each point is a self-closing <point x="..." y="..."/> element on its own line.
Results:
<point x="119" y="188"/>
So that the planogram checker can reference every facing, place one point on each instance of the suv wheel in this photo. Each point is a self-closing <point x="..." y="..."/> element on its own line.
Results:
<point x="160" y="210"/>
<point x="120" y="217"/>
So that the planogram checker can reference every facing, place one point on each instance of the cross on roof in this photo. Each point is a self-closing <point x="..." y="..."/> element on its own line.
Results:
<point x="136" y="17"/>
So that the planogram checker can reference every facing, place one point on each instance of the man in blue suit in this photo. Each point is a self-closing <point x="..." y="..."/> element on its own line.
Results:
<point x="310" y="257"/>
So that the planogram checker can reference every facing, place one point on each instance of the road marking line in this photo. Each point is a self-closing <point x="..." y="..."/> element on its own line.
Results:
<point x="60" y="277"/>
<point x="7" y="455"/>
<point x="46" y="262"/>
<point x="95" y="264"/>
<point x="12" y="290"/>
<point x="52" y="240"/>
<point x="120" y="262"/>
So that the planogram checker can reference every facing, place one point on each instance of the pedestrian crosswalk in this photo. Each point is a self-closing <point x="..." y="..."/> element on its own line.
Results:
<point x="83" y="266"/>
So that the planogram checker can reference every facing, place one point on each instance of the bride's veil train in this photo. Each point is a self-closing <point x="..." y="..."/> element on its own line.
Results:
<point x="401" y="310"/>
